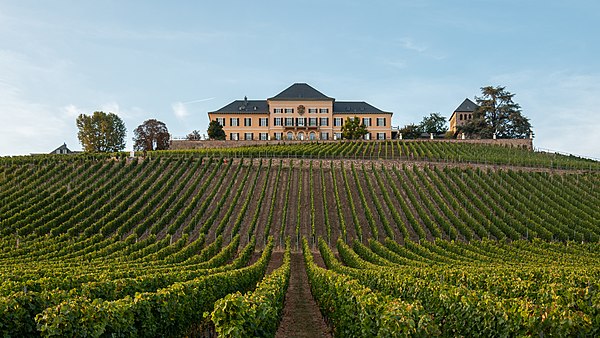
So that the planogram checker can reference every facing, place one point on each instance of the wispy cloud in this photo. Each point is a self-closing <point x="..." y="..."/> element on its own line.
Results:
<point x="562" y="106"/>
<point x="410" y="44"/>
<point x="200" y="100"/>
<point x="179" y="110"/>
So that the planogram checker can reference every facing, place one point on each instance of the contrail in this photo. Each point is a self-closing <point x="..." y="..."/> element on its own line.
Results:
<point x="196" y="101"/>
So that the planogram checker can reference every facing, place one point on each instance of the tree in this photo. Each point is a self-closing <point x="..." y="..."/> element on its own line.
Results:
<point x="353" y="129"/>
<point x="151" y="135"/>
<point x="410" y="131"/>
<point x="193" y="136"/>
<point x="215" y="131"/>
<point x="101" y="132"/>
<point x="497" y="114"/>
<point x="434" y="123"/>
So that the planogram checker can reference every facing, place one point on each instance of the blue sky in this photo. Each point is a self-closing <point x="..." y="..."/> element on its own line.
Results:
<point x="177" y="60"/>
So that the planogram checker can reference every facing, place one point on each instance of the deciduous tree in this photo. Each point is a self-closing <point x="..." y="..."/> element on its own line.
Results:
<point x="151" y="135"/>
<point x="193" y="136"/>
<point x="410" y="131"/>
<point x="101" y="132"/>
<point x="434" y="123"/>
<point x="353" y="129"/>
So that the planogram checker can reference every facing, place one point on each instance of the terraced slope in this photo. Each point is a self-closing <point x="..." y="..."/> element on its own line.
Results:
<point x="99" y="245"/>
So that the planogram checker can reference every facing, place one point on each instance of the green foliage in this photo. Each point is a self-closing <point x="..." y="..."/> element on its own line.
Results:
<point x="151" y="135"/>
<point x="356" y="311"/>
<point x="410" y="131"/>
<point x="101" y="132"/>
<point x="194" y="136"/>
<point x="257" y="313"/>
<point x="433" y="124"/>
<point x="353" y="129"/>
<point x="497" y="114"/>
<point x="215" y="131"/>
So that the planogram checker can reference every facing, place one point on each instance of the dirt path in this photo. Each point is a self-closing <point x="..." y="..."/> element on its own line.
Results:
<point x="301" y="315"/>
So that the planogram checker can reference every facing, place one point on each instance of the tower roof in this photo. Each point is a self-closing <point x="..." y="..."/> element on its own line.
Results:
<point x="467" y="106"/>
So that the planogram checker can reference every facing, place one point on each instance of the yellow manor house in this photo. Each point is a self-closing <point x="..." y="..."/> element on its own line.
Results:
<point x="300" y="112"/>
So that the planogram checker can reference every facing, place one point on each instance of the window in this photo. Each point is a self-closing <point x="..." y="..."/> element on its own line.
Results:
<point x="337" y="136"/>
<point x="312" y="121"/>
<point x="312" y="110"/>
<point x="263" y="122"/>
<point x="289" y="121"/>
<point x="324" y="110"/>
<point x="337" y="121"/>
<point x="290" y="135"/>
<point x="234" y="136"/>
<point x="278" y="121"/>
<point x="301" y="136"/>
<point x="234" y="122"/>
<point x="278" y="136"/>
<point x="366" y="121"/>
<point x="367" y="136"/>
<point x="301" y="122"/>
<point x="289" y="110"/>
<point x="248" y="136"/>
<point x="324" y="121"/>
<point x="263" y="136"/>
<point x="312" y="136"/>
<point x="381" y="136"/>
<point x="221" y="121"/>
<point x="381" y="121"/>
<point x="324" y="136"/>
<point x="277" y="110"/>
<point x="461" y="117"/>
<point x="247" y="122"/>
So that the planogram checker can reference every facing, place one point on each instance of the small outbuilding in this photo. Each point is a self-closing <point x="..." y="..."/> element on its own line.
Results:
<point x="62" y="150"/>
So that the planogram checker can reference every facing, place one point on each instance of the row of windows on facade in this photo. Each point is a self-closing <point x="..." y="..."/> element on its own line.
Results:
<point x="291" y="110"/>
<point x="465" y="117"/>
<point x="297" y="122"/>
<point x="312" y="136"/>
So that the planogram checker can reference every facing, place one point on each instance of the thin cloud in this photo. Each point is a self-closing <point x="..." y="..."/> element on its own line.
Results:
<point x="408" y="43"/>
<point x="179" y="110"/>
<point x="200" y="100"/>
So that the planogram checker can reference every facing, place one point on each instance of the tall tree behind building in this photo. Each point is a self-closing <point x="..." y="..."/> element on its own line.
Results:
<point x="101" y="132"/>
<point x="497" y="114"/>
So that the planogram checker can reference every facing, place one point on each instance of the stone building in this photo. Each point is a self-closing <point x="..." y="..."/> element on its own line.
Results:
<point x="462" y="114"/>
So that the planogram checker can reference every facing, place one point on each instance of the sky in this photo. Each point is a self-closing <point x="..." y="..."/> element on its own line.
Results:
<point x="176" y="60"/>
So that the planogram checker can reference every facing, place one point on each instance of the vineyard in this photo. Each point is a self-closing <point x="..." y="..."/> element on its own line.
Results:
<point x="205" y="242"/>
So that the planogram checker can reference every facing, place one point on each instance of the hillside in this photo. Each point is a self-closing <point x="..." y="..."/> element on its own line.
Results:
<point x="151" y="244"/>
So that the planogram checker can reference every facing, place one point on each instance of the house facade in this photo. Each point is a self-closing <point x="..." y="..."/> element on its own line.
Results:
<point x="462" y="115"/>
<point x="300" y="112"/>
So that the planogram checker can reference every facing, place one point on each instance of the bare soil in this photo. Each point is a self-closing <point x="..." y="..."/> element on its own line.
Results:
<point x="301" y="315"/>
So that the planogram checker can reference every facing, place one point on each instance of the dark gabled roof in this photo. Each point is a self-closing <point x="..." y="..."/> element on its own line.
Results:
<point x="245" y="107"/>
<point x="300" y="91"/>
<point x="63" y="147"/>
<point x="351" y="107"/>
<point x="467" y="106"/>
